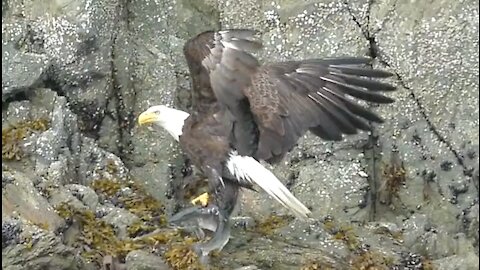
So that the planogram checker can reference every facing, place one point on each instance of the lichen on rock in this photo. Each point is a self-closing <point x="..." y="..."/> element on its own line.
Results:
<point x="13" y="135"/>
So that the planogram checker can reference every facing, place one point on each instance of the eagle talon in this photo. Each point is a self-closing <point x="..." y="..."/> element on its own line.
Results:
<point x="202" y="199"/>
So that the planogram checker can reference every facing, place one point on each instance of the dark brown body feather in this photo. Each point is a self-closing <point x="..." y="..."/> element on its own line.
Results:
<point x="205" y="140"/>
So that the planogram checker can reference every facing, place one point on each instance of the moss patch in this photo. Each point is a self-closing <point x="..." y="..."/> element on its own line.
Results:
<point x="181" y="255"/>
<point x="138" y="201"/>
<point x="98" y="239"/>
<point x="13" y="135"/>
<point x="314" y="265"/>
<point x="394" y="177"/>
<point x="344" y="233"/>
<point x="371" y="260"/>
<point x="269" y="225"/>
<point x="139" y="228"/>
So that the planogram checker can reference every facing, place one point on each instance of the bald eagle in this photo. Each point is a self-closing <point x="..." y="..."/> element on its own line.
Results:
<point x="244" y="111"/>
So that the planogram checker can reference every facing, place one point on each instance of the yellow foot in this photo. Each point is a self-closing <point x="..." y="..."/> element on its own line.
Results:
<point x="203" y="199"/>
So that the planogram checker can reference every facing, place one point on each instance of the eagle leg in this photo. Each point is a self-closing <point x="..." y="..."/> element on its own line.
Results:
<point x="202" y="199"/>
<point x="215" y="179"/>
<point x="215" y="183"/>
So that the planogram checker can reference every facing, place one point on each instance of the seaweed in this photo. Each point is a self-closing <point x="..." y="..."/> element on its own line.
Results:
<point x="98" y="239"/>
<point x="181" y="256"/>
<point x="345" y="233"/>
<point x="270" y="224"/>
<point x="315" y="265"/>
<point x="394" y="177"/>
<point x="139" y="202"/>
<point x="370" y="260"/>
<point x="14" y="134"/>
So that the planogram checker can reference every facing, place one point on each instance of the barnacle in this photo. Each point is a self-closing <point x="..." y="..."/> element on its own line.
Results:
<point x="14" y="134"/>
<point x="409" y="259"/>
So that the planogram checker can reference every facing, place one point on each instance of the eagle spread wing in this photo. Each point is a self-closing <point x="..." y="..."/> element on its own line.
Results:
<point x="276" y="103"/>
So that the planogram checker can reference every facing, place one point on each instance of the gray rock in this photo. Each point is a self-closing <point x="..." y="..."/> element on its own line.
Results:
<point x="7" y="176"/>
<point x="434" y="124"/>
<point x="21" y="71"/>
<point x="412" y="53"/>
<point x="426" y="128"/>
<point x="62" y="195"/>
<point x="43" y="102"/>
<point x="99" y="163"/>
<point x="62" y="154"/>
<point x="476" y="178"/>
<point x="17" y="112"/>
<point x="120" y="219"/>
<point x="250" y="267"/>
<point x="84" y="194"/>
<point x="22" y="198"/>
<point x="470" y="222"/>
<point x="58" y="170"/>
<point x="78" y="43"/>
<point x="54" y="147"/>
<point x="40" y="250"/>
<point x="141" y="260"/>
<point x="464" y="261"/>
<point x="414" y="228"/>
<point x="11" y="229"/>
<point x="112" y="263"/>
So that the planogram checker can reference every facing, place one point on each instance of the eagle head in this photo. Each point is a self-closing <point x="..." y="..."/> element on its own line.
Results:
<point x="170" y="119"/>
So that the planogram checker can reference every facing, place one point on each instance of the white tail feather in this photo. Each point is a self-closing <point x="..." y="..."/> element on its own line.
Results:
<point x="247" y="168"/>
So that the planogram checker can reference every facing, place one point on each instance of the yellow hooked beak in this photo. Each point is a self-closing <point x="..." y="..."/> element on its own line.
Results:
<point x="147" y="118"/>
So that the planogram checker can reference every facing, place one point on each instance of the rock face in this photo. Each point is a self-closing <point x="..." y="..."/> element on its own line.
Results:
<point x="21" y="197"/>
<point x="36" y="249"/>
<point x="76" y="74"/>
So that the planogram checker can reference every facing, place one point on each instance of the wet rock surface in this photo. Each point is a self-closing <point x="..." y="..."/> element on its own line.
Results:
<point x="84" y="187"/>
